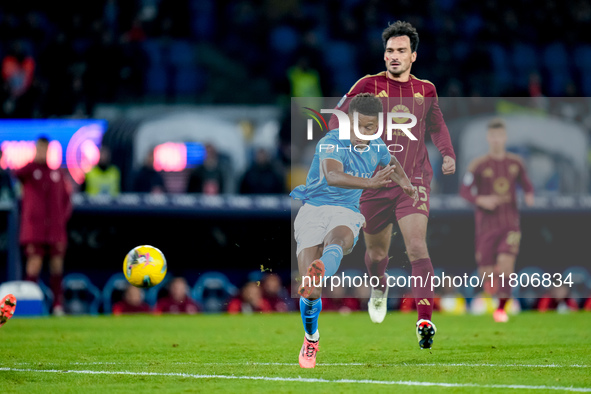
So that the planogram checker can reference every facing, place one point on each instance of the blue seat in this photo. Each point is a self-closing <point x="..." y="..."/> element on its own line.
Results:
<point x="114" y="288"/>
<point x="156" y="79"/>
<point x="212" y="290"/>
<point x="80" y="295"/>
<point x="189" y="80"/>
<point x="581" y="287"/>
<point x="30" y="299"/>
<point x="182" y="54"/>
<point x="153" y="49"/>
<point x="524" y="60"/>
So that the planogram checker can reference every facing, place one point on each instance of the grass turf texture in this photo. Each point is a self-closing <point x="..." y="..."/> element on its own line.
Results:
<point x="229" y="345"/>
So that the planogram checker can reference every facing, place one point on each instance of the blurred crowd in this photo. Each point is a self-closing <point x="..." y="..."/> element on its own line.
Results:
<point x="269" y="295"/>
<point x="63" y="60"/>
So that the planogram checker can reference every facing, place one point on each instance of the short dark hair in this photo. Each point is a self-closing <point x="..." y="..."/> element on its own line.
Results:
<point x="400" y="28"/>
<point x="43" y="138"/>
<point x="497" y="123"/>
<point x="366" y="104"/>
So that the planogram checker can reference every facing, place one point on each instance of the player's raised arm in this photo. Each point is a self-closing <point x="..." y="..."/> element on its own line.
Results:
<point x="400" y="177"/>
<point x="335" y="176"/>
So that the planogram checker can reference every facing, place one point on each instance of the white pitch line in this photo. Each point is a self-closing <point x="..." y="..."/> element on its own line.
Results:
<point x="306" y="380"/>
<point x="334" y="364"/>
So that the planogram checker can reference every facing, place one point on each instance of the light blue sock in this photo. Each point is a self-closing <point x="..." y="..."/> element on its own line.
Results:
<point x="310" y="310"/>
<point x="332" y="256"/>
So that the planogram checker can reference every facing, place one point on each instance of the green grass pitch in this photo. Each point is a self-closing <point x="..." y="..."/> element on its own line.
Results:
<point x="258" y="353"/>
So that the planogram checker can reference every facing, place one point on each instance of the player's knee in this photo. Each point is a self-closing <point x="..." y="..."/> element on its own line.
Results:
<point x="377" y="254"/>
<point x="417" y="248"/>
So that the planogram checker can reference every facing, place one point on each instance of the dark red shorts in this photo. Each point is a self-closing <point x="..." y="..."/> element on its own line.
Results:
<point x="492" y="243"/>
<point x="379" y="212"/>
<point x="57" y="249"/>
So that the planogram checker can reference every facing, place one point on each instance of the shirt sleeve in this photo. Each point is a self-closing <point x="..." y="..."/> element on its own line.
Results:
<point x="438" y="129"/>
<point x="385" y="157"/>
<point x="524" y="180"/>
<point x="327" y="149"/>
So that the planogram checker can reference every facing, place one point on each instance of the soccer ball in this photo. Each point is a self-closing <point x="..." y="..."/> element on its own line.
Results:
<point x="144" y="266"/>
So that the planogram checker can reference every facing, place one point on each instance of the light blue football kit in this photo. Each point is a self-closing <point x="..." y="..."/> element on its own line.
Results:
<point x="326" y="207"/>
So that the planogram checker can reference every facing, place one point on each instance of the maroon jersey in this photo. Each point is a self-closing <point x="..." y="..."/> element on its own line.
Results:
<point x="46" y="205"/>
<point x="169" y="305"/>
<point x="487" y="176"/>
<point x="418" y="97"/>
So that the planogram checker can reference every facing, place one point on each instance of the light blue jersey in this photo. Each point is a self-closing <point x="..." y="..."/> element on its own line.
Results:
<point x="357" y="161"/>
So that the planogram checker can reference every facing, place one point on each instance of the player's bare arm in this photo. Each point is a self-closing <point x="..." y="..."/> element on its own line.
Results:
<point x="400" y="177"/>
<point x="335" y="176"/>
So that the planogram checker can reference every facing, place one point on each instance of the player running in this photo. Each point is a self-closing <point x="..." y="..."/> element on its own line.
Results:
<point x="327" y="225"/>
<point x="403" y="92"/>
<point x="7" y="307"/>
<point x="490" y="184"/>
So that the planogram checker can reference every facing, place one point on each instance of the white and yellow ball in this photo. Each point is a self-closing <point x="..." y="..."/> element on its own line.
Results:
<point x="144" y="266"/>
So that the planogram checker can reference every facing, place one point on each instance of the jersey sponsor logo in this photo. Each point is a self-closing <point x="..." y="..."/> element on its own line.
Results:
<point x="423" y="207"/>
<point x="419" y="98"/>
<point x="424" y="301"/>
<point x="400" y="108"/>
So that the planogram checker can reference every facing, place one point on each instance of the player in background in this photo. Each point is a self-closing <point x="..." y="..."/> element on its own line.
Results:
<point x="327" y="225"/>
<point x="490" y="184"/>
<point x="403" y="92"/>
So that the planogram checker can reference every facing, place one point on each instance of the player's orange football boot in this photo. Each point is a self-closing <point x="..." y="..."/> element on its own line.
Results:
<point x="315" y="273"/>
<point x="425" y="332"/>
<point x="308" y="354"/>
<point x="7" y="306"/>
<point x="500" y="316"/>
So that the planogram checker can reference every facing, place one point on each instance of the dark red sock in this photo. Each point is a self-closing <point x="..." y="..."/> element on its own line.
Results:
<point x="502" y="302"/>
<point x="55" y="284"/>
<point x="377" y="269"/>
<point x="423" y="295"/>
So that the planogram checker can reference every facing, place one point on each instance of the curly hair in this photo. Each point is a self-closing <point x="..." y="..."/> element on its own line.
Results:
<point x="400" y="28"/>
<point x="366" y="104"/>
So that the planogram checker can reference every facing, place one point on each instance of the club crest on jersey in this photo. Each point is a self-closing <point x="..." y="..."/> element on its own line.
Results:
<point x="419" y="98"/>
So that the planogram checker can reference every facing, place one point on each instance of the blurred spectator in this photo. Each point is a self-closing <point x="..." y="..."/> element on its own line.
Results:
<point x="46" y="209"/>
<point x="18" y="71"/>
<point x="147" y="179"/>
<point x="275" y="293"/>
<point x="132" y="302"/>
<point x="558" y="300"/>
<point x="263" y="176"/>
<point x="208" y="178"/>
<point x="178" y="300"/>
<point x="6" y="184"/>
<point x="336" y="300"/>
<point x="250" y="300"/>
<point x="104" y="178"/>
<point x="587" y="305"/>
<point x="304" y="80"/>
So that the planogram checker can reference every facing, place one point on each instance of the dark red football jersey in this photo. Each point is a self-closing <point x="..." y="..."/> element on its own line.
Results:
<point x="487" y="176"/>
<point x="418" y="97"/>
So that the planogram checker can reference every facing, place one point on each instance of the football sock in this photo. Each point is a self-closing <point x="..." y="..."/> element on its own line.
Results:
<point x="310" y="310"/>
<point x="55" y="284"/>
<point x="377" y="269"/>
<point x="423" y="294"/>
<point x="502" y="302"/>
<point x="331" y="257"/>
